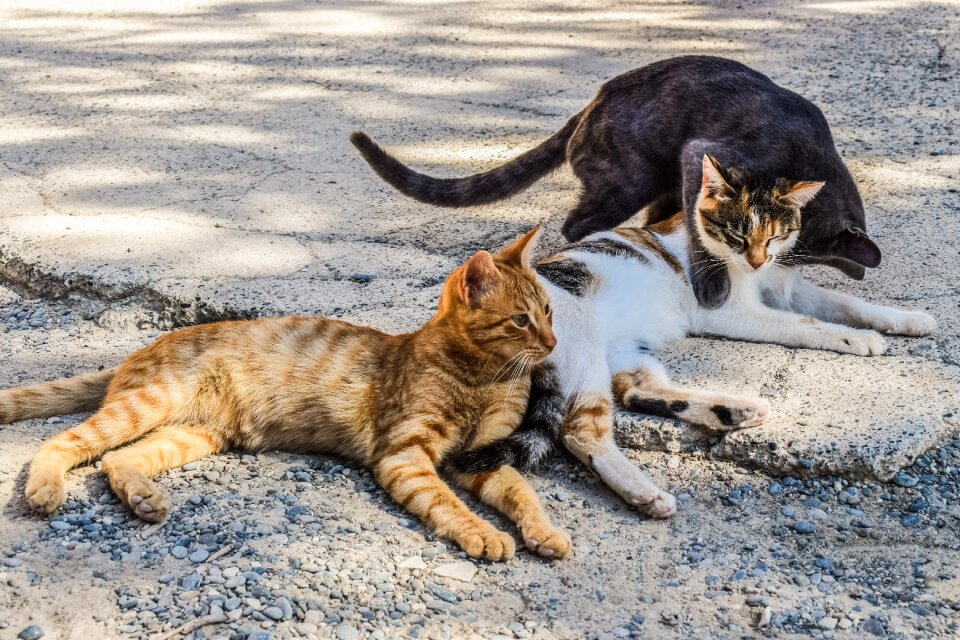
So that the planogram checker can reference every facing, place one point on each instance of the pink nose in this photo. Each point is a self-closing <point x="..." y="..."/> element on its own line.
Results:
<point x="756" y="261"/>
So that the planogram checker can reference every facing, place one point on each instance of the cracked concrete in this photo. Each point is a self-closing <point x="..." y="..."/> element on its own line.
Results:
<point x="194" y="163"/>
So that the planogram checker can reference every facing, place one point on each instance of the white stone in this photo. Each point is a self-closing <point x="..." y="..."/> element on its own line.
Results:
<point x="413" y="562"/>
<point x="463" y="571"/>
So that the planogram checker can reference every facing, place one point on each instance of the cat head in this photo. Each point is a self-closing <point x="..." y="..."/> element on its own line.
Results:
<point x="496" y="303"/>
<point x="746" y="222"/>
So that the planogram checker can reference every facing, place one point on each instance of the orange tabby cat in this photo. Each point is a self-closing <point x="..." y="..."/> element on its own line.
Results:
<point x="397" y="403"/>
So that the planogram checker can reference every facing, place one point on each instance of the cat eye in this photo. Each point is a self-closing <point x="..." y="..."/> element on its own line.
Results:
<point x="521" y="320"/>
<point x="546" y="309"/>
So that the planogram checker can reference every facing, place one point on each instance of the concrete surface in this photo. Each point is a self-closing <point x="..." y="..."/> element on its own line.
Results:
<point x="191" y="158"/>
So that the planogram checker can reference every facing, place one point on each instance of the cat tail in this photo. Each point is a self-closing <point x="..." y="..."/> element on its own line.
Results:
<point x="480" y="188"/>
<point x="539" y="433"/>
<point x="59" y="397"/>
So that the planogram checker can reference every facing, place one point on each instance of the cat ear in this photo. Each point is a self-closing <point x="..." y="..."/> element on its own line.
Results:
<point x="479" y="276"/>
<point x="799" y="194"/>
<point x="518" y="254"/>
<point x="713" y="181"/>
<point x="856" y="245"/>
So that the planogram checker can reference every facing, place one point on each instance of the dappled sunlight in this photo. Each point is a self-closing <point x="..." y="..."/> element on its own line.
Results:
<point x="110" y="243"/>
<point x="919" y="174"/>
<point x="228" y="134"/>
<point x="216" y="112"/>
<point x="338" y="22"/>
<point x="461" y="152"/>
<point x="25" y="135"/>
<point x="102" y="175"/>
<point x="865" y="6"/>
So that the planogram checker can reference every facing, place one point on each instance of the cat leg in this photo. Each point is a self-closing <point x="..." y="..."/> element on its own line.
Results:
<point x="588" y="434"/>
<point x="124" y="417"/>
<point x="510" y="493"/>
<point x="759" y="323"/>
<point x="648" y="389"/>
<point x="607" y="201"/>
<point x="407" y="471"/>
<point x="833" y="306"/>
<point x="129" y="469"/>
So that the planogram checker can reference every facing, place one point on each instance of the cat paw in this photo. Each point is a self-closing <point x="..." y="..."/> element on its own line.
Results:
<point x="862" y="343"/>
<point x="913" y="323"/>
<point x="662" y="506"/>
<point x="548" y="541"/>
<point x="739" y="413"/>
<point x="147" y="501"/>
<point x="45" y="491"/>
<point x="486" y="542"/>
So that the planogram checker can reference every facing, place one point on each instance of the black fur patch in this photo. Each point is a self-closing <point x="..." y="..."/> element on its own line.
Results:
<point x="570" y="275"/>
<point x="657" y="407"/>
<point x="608" y="247"/>
<point x="538" y="435"/>
<point x="723" y="414"/>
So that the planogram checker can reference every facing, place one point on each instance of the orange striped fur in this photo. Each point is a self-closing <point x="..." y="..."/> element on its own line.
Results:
<point x="399" y="404"/>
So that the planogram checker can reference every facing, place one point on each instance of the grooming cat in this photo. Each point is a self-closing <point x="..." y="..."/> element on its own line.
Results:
<point x="639" y="145"/>
<point x="399" y="404"/>
<point x="620" y="295"/>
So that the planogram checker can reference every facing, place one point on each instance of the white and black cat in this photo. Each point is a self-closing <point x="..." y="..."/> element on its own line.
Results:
<point x="620" y="295"/>
<point x="638" y="145"/>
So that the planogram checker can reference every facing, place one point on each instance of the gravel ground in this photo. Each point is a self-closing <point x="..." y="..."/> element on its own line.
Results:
<point x="286" y="546"/>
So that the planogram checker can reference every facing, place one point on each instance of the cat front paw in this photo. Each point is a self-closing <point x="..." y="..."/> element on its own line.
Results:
<point x="148" y="501"/>
<point x="45" y="491"/>
<point x="548" y="541"/>
<point x="862" y="343"/>
<point x="738" y="413"/>
<point x="661" y="507"/>
<point x="483" y="540"/>
<point x="913" y="323"/>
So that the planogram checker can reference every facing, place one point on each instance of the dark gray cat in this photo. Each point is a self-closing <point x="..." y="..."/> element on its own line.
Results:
<point x="641" y="143"/>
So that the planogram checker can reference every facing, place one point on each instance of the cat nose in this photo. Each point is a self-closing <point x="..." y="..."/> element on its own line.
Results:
<point x="549" y="341"/>
<point x="756" y="260"/>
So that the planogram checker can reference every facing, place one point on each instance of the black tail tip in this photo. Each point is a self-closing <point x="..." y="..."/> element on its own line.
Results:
<point x="361" y="140"/>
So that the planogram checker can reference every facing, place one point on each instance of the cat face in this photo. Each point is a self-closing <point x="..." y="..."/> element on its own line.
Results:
<point x="748" y="225"/>
<point x="498" y="303"/>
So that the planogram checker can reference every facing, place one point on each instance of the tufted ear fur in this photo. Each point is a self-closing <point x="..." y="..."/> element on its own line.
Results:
<point x="478" y="277"/>
<point x="712" y="181"/>
<point x="518" y="253"/>
<point x="798" y="194"/>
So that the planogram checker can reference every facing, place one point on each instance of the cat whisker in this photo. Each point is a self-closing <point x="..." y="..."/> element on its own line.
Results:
<point x="506" y="367"/>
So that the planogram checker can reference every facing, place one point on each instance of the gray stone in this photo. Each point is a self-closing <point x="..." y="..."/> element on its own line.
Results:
<point x="274" y="613"/>
<point x="33" y="632"/>
<point x="200" y="555"/>
<point x="347" y="632"/>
